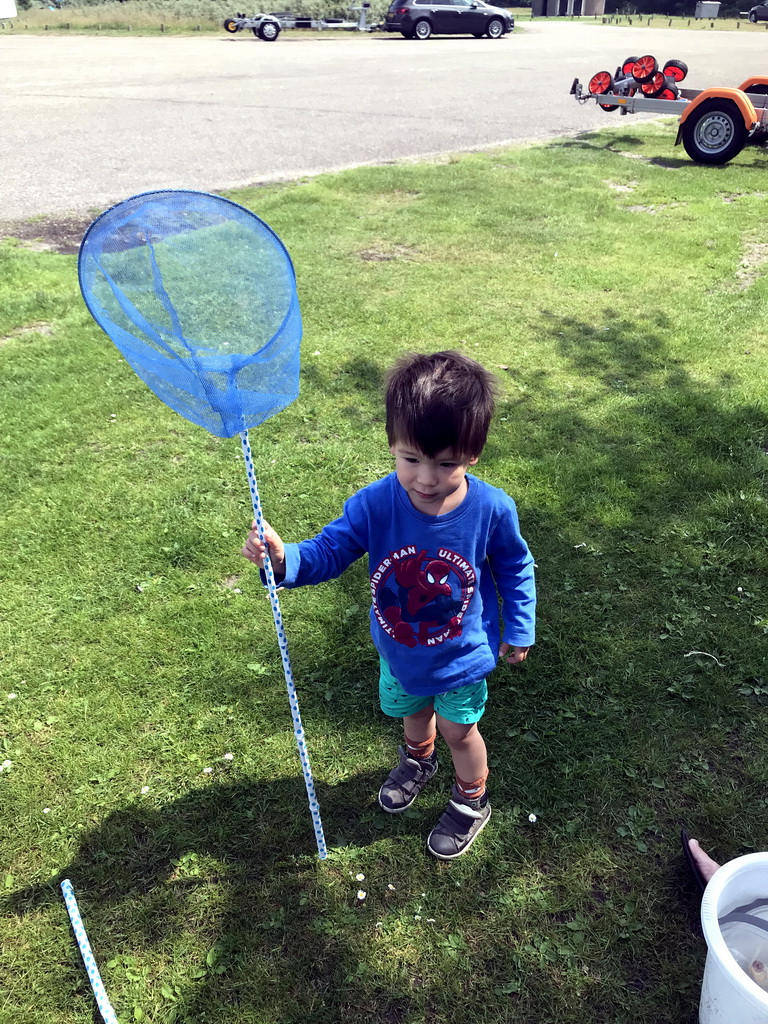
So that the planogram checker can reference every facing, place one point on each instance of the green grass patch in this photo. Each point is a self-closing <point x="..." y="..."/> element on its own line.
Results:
<point x="731" y="24"/>
<point x="619" y="292"/>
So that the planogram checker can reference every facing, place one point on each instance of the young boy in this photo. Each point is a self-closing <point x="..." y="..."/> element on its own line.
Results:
<point x="441" y="545"/>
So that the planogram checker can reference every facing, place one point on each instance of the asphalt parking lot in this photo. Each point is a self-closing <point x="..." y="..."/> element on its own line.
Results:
<point x="90" y="120"/>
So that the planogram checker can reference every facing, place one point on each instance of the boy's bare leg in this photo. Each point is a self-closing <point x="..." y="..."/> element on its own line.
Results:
<point x="469" y="809"/>
<point x="417" y="763"/>
<point x="420" y="728"/>
<point x="470" y="758"/>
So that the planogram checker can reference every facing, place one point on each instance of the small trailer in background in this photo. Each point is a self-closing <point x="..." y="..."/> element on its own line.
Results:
<point x="715" y="124"/>
<point x="269" y="26"/>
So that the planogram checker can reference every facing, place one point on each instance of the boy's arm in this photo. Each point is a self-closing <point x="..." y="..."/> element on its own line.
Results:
<point x="320" y="558"/>
<point x="512" y="567"/>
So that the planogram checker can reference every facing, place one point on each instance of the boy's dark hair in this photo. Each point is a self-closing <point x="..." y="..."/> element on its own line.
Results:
<point x="445" y="400"/>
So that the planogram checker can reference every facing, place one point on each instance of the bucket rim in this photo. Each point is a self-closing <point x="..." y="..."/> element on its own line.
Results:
<point x="716" y="944"/>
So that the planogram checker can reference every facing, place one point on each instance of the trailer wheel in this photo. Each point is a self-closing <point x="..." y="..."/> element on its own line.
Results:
<point x="644" y="69"/>
<point x="670" y="91"/>
<point x="675" y="69"/>
<point x="269" y="31"/>
<point x="627" y="64"/>
<point x="600" y="83"/>
<point x="230" y="25"/>
<point x="714" y="133"/>
<point x="422" y="29"/>
<point x="656" y="85"/>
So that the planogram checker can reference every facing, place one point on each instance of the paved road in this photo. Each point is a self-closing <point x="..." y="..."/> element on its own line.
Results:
<point x="86" y="121"/>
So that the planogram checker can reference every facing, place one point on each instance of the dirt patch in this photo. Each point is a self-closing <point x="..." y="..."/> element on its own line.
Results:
<point x="657" y="161"/>
<point x="54" y="234"/>
<point x="653" y="209"/>
<point x="754" y="257"/>
<point x="731" y="197"/>
<point x="39" y="327"/>
<point x="617" y="187"/>
<point x="392" y="252"/>
<point x="231" y="583"/>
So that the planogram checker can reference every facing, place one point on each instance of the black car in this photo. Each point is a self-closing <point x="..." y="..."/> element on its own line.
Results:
<point x="759" y="13"/>
<point x="419" y="19"/>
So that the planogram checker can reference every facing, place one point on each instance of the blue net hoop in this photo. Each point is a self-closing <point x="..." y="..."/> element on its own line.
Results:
<point x="199" y="295"/>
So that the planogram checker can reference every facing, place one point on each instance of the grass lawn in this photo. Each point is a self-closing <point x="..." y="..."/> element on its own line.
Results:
<point x="618" y="290"/>
<point x="698" y="24"/>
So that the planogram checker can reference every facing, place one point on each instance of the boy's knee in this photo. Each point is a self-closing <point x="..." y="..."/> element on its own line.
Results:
<point x="456" y="733"/>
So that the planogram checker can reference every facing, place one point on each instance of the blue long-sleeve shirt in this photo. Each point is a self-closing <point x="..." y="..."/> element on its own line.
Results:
<point x="434" y="580"/>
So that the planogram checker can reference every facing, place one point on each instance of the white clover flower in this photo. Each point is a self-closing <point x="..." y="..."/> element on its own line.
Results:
<point x="361" y="894"/>
<point x="532" y="818"/>
<point x="417" y="917"/>
<point x="11" y="696"/>
<point x="46" y="810"/>
<point x="144" y="789"/>
<point x="229" y="757"/>
<point x="360" y="877"/>
<point x="207" y="771"/>
<point x="7" y="763"/>
<point x="390" y="886"/>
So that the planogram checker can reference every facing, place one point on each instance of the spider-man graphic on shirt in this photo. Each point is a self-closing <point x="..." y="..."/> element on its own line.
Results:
<point x="421" y="598"/>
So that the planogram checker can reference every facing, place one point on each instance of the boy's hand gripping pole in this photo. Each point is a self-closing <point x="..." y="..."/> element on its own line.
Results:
<point x="298" y="729"/>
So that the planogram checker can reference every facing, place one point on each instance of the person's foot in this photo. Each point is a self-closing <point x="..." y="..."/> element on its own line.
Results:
<point x="405" y="782"/>
<point x="706" y="866"/>
<point x="459" y="826"/>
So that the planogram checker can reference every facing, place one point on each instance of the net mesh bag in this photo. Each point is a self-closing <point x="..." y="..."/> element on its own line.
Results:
<point x="199" y="295"/>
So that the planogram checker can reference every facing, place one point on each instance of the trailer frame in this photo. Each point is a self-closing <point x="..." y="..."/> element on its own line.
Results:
<point x="715" y="123"/>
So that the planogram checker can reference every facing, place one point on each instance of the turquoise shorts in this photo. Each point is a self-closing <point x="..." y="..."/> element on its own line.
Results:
<point x="463" y="705"/>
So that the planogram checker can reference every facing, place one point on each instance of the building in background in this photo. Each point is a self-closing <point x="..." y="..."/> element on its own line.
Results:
<point x="567" y="8"/>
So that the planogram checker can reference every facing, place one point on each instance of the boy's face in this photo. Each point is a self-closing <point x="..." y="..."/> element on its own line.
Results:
<point x="434" y="485"/>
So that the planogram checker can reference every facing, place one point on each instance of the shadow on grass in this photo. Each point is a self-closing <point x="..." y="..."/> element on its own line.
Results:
<point x="615" y="143"/>
<point x="236" y="863"/>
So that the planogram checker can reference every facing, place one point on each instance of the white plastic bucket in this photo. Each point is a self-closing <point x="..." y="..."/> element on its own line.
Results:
<point x="728" y="994"/>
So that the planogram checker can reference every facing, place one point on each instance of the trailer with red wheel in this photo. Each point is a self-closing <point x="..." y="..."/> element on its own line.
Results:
<point x="715" y="124"/>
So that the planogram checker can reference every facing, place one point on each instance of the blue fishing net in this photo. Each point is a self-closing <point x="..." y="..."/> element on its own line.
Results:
<point x="199" y="295"/>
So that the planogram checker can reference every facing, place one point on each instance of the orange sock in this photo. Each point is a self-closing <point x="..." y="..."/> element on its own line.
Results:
<point x="421" y="749"/>
<point x="472" y="790"/>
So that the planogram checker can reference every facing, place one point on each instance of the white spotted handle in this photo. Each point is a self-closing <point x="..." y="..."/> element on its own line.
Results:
<point x="293" y="700"/>
<point x="102" y="1000"/>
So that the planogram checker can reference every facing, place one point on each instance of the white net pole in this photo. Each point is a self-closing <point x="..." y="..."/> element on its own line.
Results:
<point x="293" y="700"/>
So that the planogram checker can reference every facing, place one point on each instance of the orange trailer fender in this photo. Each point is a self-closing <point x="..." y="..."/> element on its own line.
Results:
<point x="756" y="80"/>
<point x="742" y="101"/>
